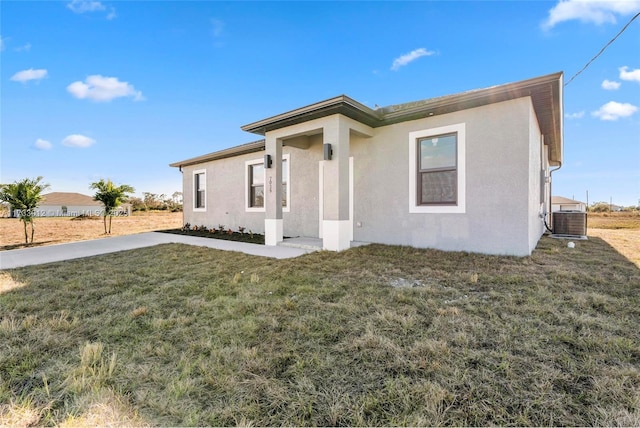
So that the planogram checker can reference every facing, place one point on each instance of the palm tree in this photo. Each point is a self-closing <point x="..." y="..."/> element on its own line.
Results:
<point x="111" y="196"/>
<point x="24" y="196"/>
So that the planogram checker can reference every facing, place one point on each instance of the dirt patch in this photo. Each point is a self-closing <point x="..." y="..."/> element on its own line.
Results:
<point x="56" y="230"/>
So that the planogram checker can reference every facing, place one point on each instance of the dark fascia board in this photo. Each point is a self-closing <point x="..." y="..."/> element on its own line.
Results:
<point x="545" y="92"/>
<point x="338" y="105"/>
<point x="242" y="149"/>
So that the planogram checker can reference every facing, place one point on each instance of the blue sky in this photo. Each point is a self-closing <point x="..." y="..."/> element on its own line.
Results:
<point x="119" y="89"/>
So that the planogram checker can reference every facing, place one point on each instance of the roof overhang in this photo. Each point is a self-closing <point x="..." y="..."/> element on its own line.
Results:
<point x="546" y="94"/>
<point x="338" y="105"/>
<point x="252" y="147"/>
<point x="546" y="97"/>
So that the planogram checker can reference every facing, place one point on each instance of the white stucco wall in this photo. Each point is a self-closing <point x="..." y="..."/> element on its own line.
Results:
<point x="502" y="183"/>
<point x="497" y="184"/>
<point x="225" y="195"/>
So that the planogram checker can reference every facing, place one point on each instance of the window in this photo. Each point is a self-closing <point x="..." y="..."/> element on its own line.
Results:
<point x="285" y="180"/>
<point x="437" y="174"/>
<point x="256" y="192"/>
<point x="437" y="170"/>
<point x="199" y="190"/>
<point x="255" y="184"/>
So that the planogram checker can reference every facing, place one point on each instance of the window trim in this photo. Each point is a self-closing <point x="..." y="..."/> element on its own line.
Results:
<point x="414" y="203"/>
<point x="193" y="186"/>
<point x="247" y="183"/>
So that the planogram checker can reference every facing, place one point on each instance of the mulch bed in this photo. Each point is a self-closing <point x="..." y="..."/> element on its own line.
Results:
<point x="235" y="236"/>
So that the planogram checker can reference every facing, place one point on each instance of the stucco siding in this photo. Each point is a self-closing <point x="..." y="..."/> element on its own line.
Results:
<point x="536" y="202"/>
<point x="225" y="192"/>
<point x="501" y="177"/>
<point x="497" y="184"/>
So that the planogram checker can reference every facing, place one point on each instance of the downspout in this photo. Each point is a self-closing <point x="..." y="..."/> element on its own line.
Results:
<point x="551" y="171"/>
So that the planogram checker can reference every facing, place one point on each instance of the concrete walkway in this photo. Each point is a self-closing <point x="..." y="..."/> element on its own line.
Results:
<point x="54" y="253"/>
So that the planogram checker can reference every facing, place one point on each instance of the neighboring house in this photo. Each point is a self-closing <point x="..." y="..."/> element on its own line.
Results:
<point x="65" y="204"/>
<point x="560" y="203"/>
<point x="465" y="172"/>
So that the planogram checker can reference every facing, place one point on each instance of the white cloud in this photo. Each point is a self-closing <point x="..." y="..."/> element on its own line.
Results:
<point x="101" y="88"/>
<point x="610" y="85"/>
<point x="30" y="74"/>
<point x="577" y="115"/>
<point x="614" y="110"/>
<point x="77" y="140"/>
<point x="83" y="6"/>
<point x="405" y="59"/>
<point x="41" y="144"/>
<point x="2" y="43"/>
<point x="633" y="75"/>
<point x="594" y="11"/>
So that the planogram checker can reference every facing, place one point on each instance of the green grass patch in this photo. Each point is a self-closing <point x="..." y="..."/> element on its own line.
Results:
<point x="377" y="335"/>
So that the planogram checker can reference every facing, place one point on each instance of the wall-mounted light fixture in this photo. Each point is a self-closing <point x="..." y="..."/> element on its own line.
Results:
<point x="328" y="152"/>
<point x="267" y="161"/>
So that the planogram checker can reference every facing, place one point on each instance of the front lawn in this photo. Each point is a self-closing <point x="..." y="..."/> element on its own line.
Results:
<point x="378" y="335"/>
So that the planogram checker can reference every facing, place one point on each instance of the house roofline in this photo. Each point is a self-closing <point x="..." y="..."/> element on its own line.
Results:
<point x="254" y="146"/>
<point x="545" y="92"/>
<point x="341" y="104"/>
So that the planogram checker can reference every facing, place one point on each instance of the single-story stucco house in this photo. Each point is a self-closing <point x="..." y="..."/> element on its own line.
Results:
<point x="469" y="172"/>
<point x="70" y="204"/>
<point x="560" y="203"/>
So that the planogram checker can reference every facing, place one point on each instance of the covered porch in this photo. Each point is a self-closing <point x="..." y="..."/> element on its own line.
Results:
<point x="335" y="192"/>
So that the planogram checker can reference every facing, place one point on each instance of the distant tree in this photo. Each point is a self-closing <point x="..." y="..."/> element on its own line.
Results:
<point x="137" y="204"/>
<point x="599" y="207"/>
<point x="177" y="197"/>
<point x="111" y="196"/>
<point x="24" y="196"/>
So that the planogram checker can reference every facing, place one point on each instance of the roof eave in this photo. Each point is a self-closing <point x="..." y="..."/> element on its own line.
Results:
<point x="337" y="105"/>
<point x="252" y="147"/>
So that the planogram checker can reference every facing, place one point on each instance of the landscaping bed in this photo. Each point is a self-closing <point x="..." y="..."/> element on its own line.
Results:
<point x="218" y="233"/>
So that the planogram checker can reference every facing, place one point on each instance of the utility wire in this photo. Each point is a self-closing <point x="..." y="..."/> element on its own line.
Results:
<point x="602" y="50"/>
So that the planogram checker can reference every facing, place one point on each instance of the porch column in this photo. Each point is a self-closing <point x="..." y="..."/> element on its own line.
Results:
<point x="273" y="227"/>
<point x="336" y="226"/>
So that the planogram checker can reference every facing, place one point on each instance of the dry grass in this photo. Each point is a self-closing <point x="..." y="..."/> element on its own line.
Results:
<point x="615" y="220"/>
<point x="620" y="230"/>
<point x="378" y="335"/>
<point x="55" y="230"/>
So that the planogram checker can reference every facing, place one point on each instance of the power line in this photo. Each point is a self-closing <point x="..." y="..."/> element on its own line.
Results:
<point x="602" y="50"/>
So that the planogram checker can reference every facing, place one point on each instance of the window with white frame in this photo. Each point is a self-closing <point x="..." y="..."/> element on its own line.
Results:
<point x="437" y="170"/>
<point x="255" y="184"/>
<point x="199" y="190"/>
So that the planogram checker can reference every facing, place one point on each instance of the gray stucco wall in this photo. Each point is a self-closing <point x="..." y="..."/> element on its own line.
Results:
<point x="502" y="186"/>
<point x="497" y="184"/>
<point x="226" y="193"/>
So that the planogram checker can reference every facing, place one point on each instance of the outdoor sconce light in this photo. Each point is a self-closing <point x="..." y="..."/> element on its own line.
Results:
<point x="328" y="152"/>
<point x="267" y="161"/>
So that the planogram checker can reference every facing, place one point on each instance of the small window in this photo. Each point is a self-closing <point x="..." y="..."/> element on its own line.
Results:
<point x="256" y="180"/>
<point x="437" y="173"/>
<point x="199" y="190"/>
<point x="437" y="170"/>
<point x="285" y="180"/>
<point x="255" y="184"/>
